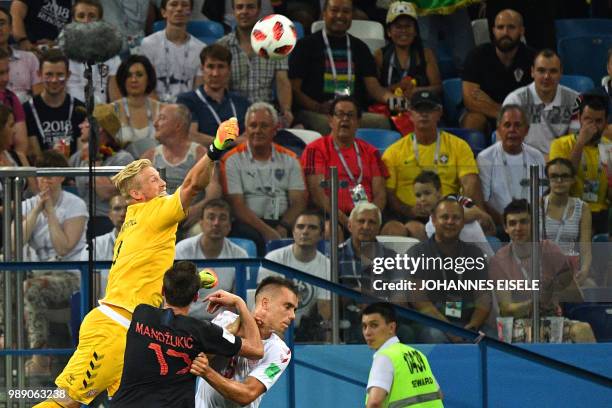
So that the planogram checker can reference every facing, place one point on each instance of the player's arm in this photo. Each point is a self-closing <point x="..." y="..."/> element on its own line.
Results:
<point x="376" y="397"/>
<point x="242" y="393"/>
<point x="198" y="177"/>
<point x="252" y="347"/>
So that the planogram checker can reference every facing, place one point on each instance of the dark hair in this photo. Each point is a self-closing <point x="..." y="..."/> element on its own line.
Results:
<point x="609" y="53"/>
<point x="217" y="203"/>
<point x="52" y="56"/>
<point x="278" y="282"/>
<point x="164" y="3"/>
<point x="450" y="198"/>
<point x="8" y="13"/>
<point x="124" y="69"/>
<point x="52" y="158"/>
<point x="429" y="177"/>
<point x="313" y="213"/>
<point x="547" y="53"/>
<point x="350" y="99"/>
<point x="517" y="206"/>
<point x="509" y="107"/>
<point x="216" y="51"/>
<point x="181" y="284"/>
<point x="563" y="161"/>
<point x="258" y="4"/>
<point x="4" y="54"/>
<point x="384" y="309"/>
<point x="5" y="113"/>
<point x="95" y="3"/>
<point x="594" y="100"/>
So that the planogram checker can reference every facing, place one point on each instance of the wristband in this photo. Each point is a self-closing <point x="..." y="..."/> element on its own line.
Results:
<point x="214" y="153"/>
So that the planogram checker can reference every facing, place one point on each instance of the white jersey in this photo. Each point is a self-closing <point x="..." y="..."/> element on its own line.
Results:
<point x="101" y="75"/>
<point x="267" y="370"/>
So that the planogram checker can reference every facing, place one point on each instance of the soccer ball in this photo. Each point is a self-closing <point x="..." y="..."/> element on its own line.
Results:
<point x="273" y="37"/>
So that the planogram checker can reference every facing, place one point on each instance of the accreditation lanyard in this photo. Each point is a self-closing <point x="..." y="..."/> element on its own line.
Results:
<point x="348" y="171"/>
<point x="415" y="149"/>
<point x="167" y="63"/>
<point x="519" y="263"/>
<point x="212" y="111"/>
<point x="563" y="217"/>
<point x="508" y="172"/>
<point x="126" y="108"/>
<point x="39" y="125"/>
<point x="349" y="60"/>
<point x="404" y="72"/>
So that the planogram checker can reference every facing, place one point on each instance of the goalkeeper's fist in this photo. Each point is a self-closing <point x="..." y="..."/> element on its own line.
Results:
<point x="227" y="132"/>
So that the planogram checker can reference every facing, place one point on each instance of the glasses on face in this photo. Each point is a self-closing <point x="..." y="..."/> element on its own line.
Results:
<point x="560" y="178"/>
<point x="348" y="115"/>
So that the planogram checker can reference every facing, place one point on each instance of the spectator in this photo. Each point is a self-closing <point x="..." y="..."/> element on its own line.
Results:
<point x="23" y="78"/>
<point x="427" y="192"/>
<point x="37" y="23"/>
<point x="313" y="313"/>
<point x="222" y="11"/>
<point x="332" y="63"/>
<point x="53" y="117"/>
<point x="104" y="79"/>
<point x="513" y="262"/>
<point x="105" y="243"/>
<point x="358" y="162"/>
<point x="567" y="220"/>
<point x="263" y="181"/>
<point x="54" y="228"/>
<point x="9" y="99"/>
<point x="549" y="105"/>
<point x="212" y="103"/>
<point x="606" y="86"/>
<point x="133" y="19"/>
<point x="492" y="71"/>
<point x="174" y="52"/>
<point x="504" y="166"/>
<point x="9" y="156"/>
<point x="428" y="148"/>
<point x="582" y="149"/>
<point x="109" y="153"/>
<point x="472" y="305"/>
<point x="212" y="243"/>
<point x="137" y="110"/>
<point x="405" y="59"/>
<point x="253" y="77"/>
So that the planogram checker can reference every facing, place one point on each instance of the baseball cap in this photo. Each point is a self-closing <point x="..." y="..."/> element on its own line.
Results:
<point x="425" y="99"/>
<point x="107" y="119"/>
<point x="400" y="8"/>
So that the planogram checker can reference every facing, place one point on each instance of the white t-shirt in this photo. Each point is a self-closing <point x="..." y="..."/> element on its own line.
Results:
<point x="104" y="245"/>
<point x="472" y="232"/>
<point x="189" y="249"/>
<point x="546" y="122"/>
<point x="101" y="75"/>
<point x="176" y="66"/>
<point x="67" y="207"/>
<point x="309" y="294"/>
<point x="381" y="372"/>
<point x="501" y="183"/>
<point x="267" y="370"/>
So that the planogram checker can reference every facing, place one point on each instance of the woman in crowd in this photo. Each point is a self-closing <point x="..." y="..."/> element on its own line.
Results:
<point x="54" y="230"/>
<point x="567" y="219"/>
<point x="137" y="110"/>
<point x="404" y="62"/>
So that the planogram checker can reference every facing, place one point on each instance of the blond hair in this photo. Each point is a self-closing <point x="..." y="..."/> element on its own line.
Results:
<point x="125" y="179"/>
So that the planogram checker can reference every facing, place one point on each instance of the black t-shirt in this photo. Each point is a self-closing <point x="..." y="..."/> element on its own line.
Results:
<point x="451" y="268"/>
<point x="309" y="62"/>
<point x="54" y="123"/>
<point x="495" y="79"/>
<point x="158" y="354"/>
<point x="46" y="18"/>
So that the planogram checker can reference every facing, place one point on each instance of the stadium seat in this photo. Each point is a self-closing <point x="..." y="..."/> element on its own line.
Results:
<point x="480" y="29"/>
<point x="299" y="29"/>
<point x="204" y="30"/>
<point x="474" y="138"/>
<point x="578" y="83"/>
<point x="370" y="32"/>
<point x="585" y="55"/>
<point x="494" y="242"/>
<point x="75" y="317"/>
<point x="453" y="98"/>
<point x="494" y="137"/>
<point x="598" y="315"/>
<point x="446" y="65"/>
<point x="251" y="250"/>
<point x="306" y="135"/>
<point x="572" y="27"/>
<point x="600" y="238"/>
<point x="601" y="256"/>
<point x="379" y="138"/>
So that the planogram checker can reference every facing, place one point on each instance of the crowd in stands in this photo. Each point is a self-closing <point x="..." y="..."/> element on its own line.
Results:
<point x="164" y="96"/>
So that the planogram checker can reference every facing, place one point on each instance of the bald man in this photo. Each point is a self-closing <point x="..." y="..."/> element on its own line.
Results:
<point x="492" y="71"/>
